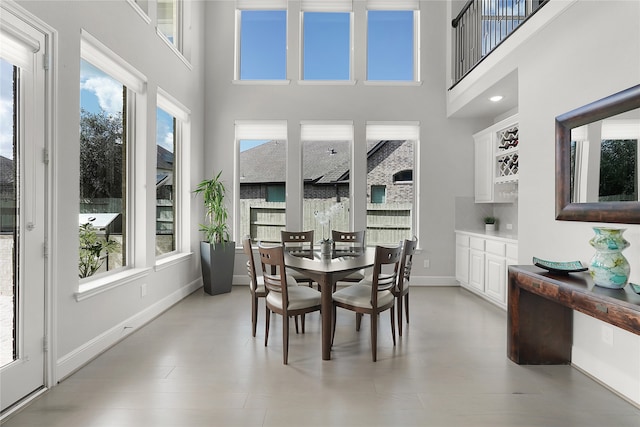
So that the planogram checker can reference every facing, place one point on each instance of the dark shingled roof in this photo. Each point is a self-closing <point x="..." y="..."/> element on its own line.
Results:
<point x="324" y="162"/>
<point x="7" y="171"/>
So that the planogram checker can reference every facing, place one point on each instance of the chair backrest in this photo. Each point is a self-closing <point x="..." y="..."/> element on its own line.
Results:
<point x="299" y="240"/>
<point x="251" y="266"/>
<point x="409" y="248"/>
<point x="384" y="256"/>
<point x="347" y="239"/>
<point x="274" y="270"/>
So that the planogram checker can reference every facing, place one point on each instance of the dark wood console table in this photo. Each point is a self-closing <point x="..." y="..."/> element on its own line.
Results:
<point x="540" y="312"/>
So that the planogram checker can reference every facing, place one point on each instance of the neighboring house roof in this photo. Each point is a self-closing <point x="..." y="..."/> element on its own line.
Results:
<point x="164" y="168"/>
<point x="324" y="162"/>
<point x="7" y="172"/>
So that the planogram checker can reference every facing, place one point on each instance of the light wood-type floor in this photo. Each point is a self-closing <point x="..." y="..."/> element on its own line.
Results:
<point x="197" y="365"/>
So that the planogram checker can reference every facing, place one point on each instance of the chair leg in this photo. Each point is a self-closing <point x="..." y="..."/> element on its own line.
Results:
<point x="254" y="314"/>
<point x="358" y="321"/>
<point x="374" y="336"/>
<point x="399" y="301"/>
<point x="285" y="339"/>
<point x="296" y="322"/>
<point x="302" y="321"/>
<point x="333" y="324"/>
<point x="393" y="327"/>
<point x="266" y="326"/>
<point x="406" y="306"/>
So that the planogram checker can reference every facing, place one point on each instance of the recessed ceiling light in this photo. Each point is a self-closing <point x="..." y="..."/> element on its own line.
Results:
<point x="496" y="98"/>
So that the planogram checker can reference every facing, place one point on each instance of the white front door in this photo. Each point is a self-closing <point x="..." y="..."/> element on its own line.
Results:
<point x="22" y="209"/>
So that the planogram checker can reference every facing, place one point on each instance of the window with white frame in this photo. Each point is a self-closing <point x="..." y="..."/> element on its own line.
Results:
<point x="261" y="40"/>
<point x="393" y="36"/>
<point x="172" y="122"/>
<point x="170" y="21"/>
<point x="326" y="29"/>
<point x="109" y="115"/>
<point x="391" y="164"/>
<point x="261" y="179"/>
<point x="326" y="167"/>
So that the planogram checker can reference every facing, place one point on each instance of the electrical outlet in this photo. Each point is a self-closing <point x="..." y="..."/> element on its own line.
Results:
<point x="607" y="334"/>
<point x="509" y="226"/>
<point x="426" y="263"/>
<point x="143" y="290"/>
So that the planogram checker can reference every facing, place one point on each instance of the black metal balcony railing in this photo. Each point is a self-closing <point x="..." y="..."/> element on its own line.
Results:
<point x="482" y="25"/>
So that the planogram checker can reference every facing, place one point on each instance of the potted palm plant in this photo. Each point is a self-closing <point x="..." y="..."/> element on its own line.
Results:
<point x="490" y="223"/>
<point x="217" y="251"/>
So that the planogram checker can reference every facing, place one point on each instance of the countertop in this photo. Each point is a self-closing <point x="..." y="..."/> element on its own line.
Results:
<point x="498" y="235"/>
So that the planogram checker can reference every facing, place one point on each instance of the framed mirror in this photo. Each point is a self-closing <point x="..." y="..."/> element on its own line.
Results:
<point x="597" y="160"/>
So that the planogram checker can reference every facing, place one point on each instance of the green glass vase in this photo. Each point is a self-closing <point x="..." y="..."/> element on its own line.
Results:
<point x="609" y="268"/>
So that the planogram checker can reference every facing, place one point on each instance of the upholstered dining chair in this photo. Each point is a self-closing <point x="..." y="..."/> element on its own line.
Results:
<point x="288" y="301"/>
<point x="401" y="289"/>
<point x="346" y="240"/>
<point x="301" y="241"/>
<point x="256" y="284"/>
<point x="374" y="297"/>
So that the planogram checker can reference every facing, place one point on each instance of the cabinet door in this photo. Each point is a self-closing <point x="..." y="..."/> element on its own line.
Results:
<point x="483" y="167"/>
<point x="476" y="270"/>
<point x="495" y="278"/>
<point x="462" y="265"/>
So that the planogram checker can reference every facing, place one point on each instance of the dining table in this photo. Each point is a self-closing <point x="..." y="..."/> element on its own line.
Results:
<point x="327" y="269"/>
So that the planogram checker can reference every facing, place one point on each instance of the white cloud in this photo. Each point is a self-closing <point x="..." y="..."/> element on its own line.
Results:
<point x="167" y="141"/>
<point x="108" y="92"/>
<point x="6" y="128"/>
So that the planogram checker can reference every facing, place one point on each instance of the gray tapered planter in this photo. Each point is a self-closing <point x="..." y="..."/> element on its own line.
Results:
<point x="217" y="266"/>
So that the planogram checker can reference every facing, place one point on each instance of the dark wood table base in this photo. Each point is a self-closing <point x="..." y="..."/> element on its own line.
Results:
<point x="540" y="312"/>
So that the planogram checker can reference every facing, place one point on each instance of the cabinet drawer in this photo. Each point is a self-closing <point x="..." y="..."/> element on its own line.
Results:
<point x="512" y="252"/>
<point x="462" y="240"/>
<point x="476" y="243"/>
<point x="495" y="248"/>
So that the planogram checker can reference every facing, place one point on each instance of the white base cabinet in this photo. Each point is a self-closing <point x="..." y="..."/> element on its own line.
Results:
<point x="482" y="262"/>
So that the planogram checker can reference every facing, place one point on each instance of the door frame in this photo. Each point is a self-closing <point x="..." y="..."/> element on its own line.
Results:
<point x="49" y="96"/>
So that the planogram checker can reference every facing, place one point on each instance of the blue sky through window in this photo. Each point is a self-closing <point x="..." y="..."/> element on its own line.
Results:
<point x="263" y="45"/>
<point x="326" y="50"/>
<point x="6" y="109"/>
<point x="390" y="45"/>
<point x="326" y="46"/>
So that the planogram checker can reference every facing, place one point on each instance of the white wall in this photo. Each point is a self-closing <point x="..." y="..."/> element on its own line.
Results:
<point x="81" y="329"/>
<point x="589" y="50"/>
<point x="445" y="145"/>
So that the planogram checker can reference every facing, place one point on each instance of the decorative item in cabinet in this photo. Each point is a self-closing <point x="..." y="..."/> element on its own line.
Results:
<point x="507" y="155"/>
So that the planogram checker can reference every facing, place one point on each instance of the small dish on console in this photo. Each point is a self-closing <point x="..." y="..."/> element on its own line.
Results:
<point x="560" y="267"/>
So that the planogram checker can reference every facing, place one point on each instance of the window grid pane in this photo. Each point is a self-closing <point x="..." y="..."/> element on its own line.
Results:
<point x="262" y="176"/>
<point x="165" y="182"/>
<point x="263" y="45"/>
<point x="390" y="207"/>
<point x="103" y="178"/>
<point x="325" y="171"/>
<point x="326" y="46"/>
<point x="390" y="45"/>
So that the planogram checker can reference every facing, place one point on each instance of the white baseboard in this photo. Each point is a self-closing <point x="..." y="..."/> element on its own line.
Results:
<point x="74" y="360"/>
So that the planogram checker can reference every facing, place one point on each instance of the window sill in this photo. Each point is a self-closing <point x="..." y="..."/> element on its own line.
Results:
<point x="262" y="82"/>
<point x="174" y="49"/>
<point x="172" y="260"/>
<point x="390" y="83"/>
<point x="102" y="284"/>
<point x="327" y="82"/>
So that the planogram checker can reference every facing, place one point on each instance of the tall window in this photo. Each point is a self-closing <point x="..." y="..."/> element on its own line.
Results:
<point x="261" y="205"/>
<point x="108" y="90"/>
<point x="391" y="154"/>
<point x="169" y="21"/>
<point x="326" y="40"/>
<point x="392" y="40"/>
<point x="326" y="164"/>
<point x="262" y="44"/>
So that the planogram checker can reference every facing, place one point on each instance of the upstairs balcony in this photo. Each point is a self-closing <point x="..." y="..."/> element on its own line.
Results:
<point x="481" y="26"/>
